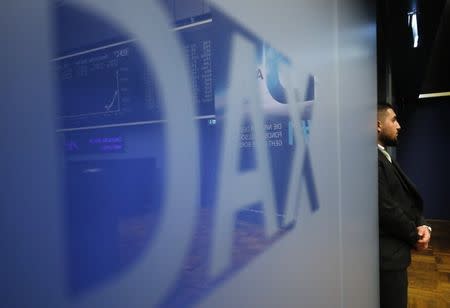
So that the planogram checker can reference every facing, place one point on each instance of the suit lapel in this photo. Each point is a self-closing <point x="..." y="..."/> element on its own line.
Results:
<point x="401" y="175"/>
<point x="404" y="180"/>
<point x="410" y="184"/>
<point x="409" y="187"/>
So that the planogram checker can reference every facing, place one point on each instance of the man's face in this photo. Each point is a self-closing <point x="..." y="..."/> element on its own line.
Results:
<point x="388" y="128"/>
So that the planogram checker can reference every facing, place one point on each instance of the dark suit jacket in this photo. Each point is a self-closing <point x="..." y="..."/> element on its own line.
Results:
<point x="400" y="213"/>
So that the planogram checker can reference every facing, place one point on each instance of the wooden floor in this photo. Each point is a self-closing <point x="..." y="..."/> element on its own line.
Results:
<point x="429" y="273"/>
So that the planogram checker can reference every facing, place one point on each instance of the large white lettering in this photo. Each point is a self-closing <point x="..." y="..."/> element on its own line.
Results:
<point x="239" y="189"/>
<point x="147" y="282"/>
<point x="294" y="180"/>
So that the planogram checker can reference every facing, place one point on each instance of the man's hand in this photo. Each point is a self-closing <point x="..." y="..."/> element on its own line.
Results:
<point x="424" y="237"/>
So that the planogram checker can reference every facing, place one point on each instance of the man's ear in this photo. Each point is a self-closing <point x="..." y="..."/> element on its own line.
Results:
<point x="378" y="126"/>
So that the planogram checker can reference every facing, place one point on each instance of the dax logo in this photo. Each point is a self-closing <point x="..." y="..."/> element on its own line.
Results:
<point x="196" y="248"/>
<point x="256" y="204"/>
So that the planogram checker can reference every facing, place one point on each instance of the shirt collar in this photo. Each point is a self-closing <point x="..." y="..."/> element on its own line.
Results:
<point x="383" y="150"/>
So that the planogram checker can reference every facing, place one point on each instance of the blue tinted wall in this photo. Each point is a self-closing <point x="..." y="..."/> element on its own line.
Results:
<point x="424" y="153"/>
<point x="189" y="153"/>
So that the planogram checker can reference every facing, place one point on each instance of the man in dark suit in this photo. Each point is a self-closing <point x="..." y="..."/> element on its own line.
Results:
<point x="401" y="224"/>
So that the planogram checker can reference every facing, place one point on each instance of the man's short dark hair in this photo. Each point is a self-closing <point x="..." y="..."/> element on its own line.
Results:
<point x="382" y="107"/>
